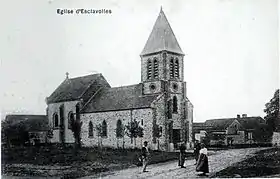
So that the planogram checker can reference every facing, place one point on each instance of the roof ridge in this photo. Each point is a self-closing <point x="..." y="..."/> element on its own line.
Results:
<point x="96" y="74"/>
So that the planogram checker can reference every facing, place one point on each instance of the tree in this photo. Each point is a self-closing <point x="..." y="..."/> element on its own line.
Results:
<point x="262" y="133"/>
<point x="134" y="130"/>
<point x="99" y="134"/>
<point x="272" y="112"/>
<point x="76" y="127"/>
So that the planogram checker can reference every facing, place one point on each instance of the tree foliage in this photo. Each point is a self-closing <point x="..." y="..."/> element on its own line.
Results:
<point x="262" y="133"/>
<point x="272" y="112"/>
<point x="76" y="127"/>
<point x="134" y="130"/>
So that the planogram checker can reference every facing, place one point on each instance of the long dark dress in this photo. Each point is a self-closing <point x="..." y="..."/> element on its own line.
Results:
<point x="196" y="151"/>
<point x="202" y="164"/>
<point x="182" y="155"/>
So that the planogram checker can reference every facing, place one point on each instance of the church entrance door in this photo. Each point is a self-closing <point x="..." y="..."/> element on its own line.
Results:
<point x="176" y="137"/>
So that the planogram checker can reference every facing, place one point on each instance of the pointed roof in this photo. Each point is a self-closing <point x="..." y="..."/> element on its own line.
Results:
<point x="162" y="37"/>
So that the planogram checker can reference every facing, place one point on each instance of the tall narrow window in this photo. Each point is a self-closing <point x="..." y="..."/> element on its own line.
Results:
<point x="70" y="119"/>
<point x="55" y="120"/>
<point x="61" y="115"/>
<point x="149" y="69"/>
<point x="155" y="68"/>
<point x="90" y="129"/>
<point x="104" y="129"/>
<point x="169" y="109"/>
<point x="171" y="68"/>
<point x="176" y="70"/>
<point x="175" y="105"/>
<point x="119" y="130"/>
<point x="77" y="112"/>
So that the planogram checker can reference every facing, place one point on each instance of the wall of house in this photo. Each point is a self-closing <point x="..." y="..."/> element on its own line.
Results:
<point x="111" y="119"/>
<point x="53" y="108"/>
<point x="237" y="139"/>
<point x="276" y="139"/>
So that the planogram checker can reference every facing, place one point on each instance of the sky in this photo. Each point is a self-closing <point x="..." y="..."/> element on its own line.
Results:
<point x="231" y="46"/>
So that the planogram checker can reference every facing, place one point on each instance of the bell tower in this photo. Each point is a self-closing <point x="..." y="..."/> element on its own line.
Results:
<point x="162" y="60"/>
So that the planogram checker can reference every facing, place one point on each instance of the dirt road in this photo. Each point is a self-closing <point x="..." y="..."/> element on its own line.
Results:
<point x="217" y="162"/>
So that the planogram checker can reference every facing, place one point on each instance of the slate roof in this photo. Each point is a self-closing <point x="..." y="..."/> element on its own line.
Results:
<point x="74" y="88"/>
<point x="162" y="37"/>
<point x="31" y="123"/>
<point x="119" y="98"/>
<point x="246" y="123"/>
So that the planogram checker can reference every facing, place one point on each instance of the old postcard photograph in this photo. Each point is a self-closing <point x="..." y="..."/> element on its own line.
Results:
<point x="139" y="89"/>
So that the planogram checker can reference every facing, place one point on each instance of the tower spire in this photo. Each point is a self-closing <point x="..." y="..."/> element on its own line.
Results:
<point x="162" y="37"/>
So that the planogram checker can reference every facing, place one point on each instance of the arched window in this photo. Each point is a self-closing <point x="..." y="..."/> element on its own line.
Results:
<point x="119" y="130"/>
<point x="142" y="122"/>
<point x="176" y="70"/>
<point x="55" y="120"/>
<point x="70" y="119"/>
<point x="155" y="68"/>
<point x="61" y="115"/>
<point x="149" y="69"/>
<point x="171" y="68"/>
<point x="90" y="129"/>
<point x="104" y="129"/>
<point x="175" y="105"/>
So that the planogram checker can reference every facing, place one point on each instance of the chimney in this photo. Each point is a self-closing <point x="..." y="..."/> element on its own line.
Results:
<point x="238" y="115"/>
<point x="244" y="115"/>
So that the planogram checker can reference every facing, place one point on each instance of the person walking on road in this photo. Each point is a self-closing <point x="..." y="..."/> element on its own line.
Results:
<point x="202" y="163"/>
<point x="145" y="156"/>
<point x="182" y="155"/>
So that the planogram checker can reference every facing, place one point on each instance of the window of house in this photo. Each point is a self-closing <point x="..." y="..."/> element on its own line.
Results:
<point x="171" y="68"/>
<point x="155" y="68"/>
<point x="104" y="129"/>
<point x="176" y="68"/>
<point x="250" y="135"/>
<point x="175" y="105"/>
<point x="70" y="119"/>
<point x="55" y="120"/>
<point x="90" y="129"/>
<point x="149" y="69"/>
<point x="119" y="130"/>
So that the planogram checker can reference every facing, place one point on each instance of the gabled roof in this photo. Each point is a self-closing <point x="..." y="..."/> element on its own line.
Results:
<point x="119" y="98"/>
<point x="74" y="88"/>
<point x="246" y="122"/>
<point x="30" y="123"/>
<point x="162" y="37"/>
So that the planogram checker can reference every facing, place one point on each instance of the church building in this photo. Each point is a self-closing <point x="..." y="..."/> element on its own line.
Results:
<point x="158" y="102"/>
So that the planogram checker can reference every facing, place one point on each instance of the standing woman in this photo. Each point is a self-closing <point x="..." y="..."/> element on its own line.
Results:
<point x="202" y="163"/>
<point x="197" y="148"/>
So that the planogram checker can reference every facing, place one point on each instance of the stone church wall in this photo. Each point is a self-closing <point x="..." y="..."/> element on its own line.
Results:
<point x="111" y="119"/>
<point x="54" y="108"/>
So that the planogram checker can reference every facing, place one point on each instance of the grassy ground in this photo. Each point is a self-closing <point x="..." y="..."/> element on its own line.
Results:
<point x="59" y="161"/>
<point x="264" y="163"/>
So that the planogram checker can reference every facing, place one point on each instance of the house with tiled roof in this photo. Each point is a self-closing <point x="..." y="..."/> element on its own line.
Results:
<point x="16" y="125"/>
<point x="230" y="131"/>
<point x="159" y="99"/>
